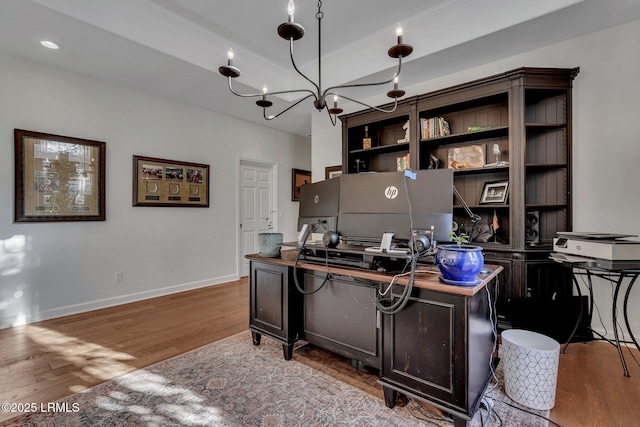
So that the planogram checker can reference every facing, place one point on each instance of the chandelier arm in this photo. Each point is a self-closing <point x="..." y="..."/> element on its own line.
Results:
<point x="264" y="110"/>
<point x="295" y="67"/>
<point x="253" y="95"/>
<point x="396" y="74"/>
<point x="331" y="117"/>
<point x="382" y="110"/>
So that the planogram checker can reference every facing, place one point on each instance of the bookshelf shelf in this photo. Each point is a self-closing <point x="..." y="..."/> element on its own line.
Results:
<point x="496" y="132"/>
<point x="544" y="126"/>
<point x="484" y="170"/>
<point x="383" y="149"/>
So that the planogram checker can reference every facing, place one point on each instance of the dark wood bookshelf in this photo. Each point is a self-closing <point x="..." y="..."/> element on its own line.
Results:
<point x="527" y="112"/>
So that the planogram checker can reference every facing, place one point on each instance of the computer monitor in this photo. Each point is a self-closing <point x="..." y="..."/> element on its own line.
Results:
<point x="374" y="203"/>
<point x="319" y="205"/>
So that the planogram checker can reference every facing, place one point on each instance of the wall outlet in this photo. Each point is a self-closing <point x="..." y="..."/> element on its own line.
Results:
<point x="119" y="276"/>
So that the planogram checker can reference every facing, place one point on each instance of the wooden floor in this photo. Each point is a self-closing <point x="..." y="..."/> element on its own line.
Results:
<point x="45" y="361"/>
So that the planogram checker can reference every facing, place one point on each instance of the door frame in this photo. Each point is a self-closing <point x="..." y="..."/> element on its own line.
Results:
<point x="239" y="208"/>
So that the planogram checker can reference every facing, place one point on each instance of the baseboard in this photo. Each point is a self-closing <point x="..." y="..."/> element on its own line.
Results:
<point x="68" y="310"/>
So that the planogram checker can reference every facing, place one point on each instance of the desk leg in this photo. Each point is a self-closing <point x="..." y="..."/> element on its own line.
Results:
<point x="625" y="306"/>
<point x="389" y="396"/>
<point x="615" y="323"/>
<point x="255" y="337"/>
<point x="459" y="422"/>
<point x="287" y="351"/>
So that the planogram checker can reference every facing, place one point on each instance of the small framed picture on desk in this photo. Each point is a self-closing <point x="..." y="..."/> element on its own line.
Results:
<point x="495" y="192"/>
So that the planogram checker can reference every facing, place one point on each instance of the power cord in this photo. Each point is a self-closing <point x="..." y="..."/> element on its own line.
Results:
<point x="393" y="280"/>
<point x="494" y="331"/>
<point x="399" y="304"/>
<point x="424" y="414"/>
<point x="525" y="410"/>
<point x="488" y="404"/>
<point x="402" y="301"/>
<point x="604" y="327"/>
<point x="295" y="268"/>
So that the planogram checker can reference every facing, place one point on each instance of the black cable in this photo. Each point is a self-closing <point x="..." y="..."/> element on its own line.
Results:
<point x="295" y="272"/>
<point x="499" y="419"/>
<point x="402" y="302"/>
<point x="493" y="317"/>
<point x="376" y="285"/>
<point x="527" y="411"/>
<point x="427" y="417"/>
<point x="404" y="298"/>
<point x="415" y="255"/>
<point x="395" y="307"/>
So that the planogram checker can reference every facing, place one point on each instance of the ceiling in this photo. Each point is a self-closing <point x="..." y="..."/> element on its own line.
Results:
<point x="173" y="48"/>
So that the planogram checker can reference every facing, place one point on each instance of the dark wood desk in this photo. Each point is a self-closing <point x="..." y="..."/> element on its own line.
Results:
<point x="437" y="349"/>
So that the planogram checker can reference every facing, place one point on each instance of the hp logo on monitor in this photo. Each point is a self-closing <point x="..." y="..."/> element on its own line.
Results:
<point x="391" y="192"/>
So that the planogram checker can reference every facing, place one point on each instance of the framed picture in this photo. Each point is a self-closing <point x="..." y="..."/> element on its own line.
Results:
<point x="161" y="182"/>
<point x="299" y="178"/>
<point x="332" y="171"/>
<point x="494" y="192"/>
<point x="467" y="157"/>
<point x="58" y="178"/>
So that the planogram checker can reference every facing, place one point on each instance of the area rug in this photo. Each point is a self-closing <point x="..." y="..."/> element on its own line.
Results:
<point x="231" y="382"/>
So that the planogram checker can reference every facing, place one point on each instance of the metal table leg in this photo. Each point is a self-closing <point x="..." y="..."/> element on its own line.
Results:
<point x="625" y="306"/>
<point x="575" y="328"/>
<point x="615" y="323"/>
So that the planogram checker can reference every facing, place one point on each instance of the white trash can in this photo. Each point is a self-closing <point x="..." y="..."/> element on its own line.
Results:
<point x="530" y="363"/>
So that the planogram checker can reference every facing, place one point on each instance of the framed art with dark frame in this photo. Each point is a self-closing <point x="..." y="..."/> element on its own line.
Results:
<point x="332" y="171"/>
<point x="299" y="177"/>
<point x="162" y="182"/>
<point x="495" y="192"/>
<point x="58" y="178"/>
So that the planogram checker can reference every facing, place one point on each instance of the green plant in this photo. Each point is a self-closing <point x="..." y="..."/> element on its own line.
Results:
<point x="269" y="220"/>
<point x="460" y="238"/>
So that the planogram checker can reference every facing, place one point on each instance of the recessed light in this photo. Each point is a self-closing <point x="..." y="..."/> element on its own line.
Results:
<point x="51" y="45"/>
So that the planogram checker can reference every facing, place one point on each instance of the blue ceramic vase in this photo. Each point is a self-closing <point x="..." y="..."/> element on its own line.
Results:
<point x="459" y="265"/>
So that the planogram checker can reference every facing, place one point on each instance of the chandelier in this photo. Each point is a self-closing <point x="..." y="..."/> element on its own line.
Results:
<point x="293" y="31"/>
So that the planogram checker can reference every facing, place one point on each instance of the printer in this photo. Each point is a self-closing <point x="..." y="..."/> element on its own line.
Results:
<point x="604" y="246"/>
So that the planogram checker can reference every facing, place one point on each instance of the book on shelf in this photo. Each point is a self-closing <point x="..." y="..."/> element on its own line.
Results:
<point x="402" y="162"/>
<point x="434" y="127"/>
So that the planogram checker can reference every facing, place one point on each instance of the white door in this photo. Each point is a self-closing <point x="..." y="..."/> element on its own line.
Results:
<point x="257" y="200"/>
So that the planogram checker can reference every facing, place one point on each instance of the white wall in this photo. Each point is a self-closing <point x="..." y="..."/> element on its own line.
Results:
<point x="606" y="152"/>
<point x="53" y="269"/>
<point x="326" y="144"/>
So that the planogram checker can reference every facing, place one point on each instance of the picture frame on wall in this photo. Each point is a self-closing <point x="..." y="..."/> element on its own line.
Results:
<point x="299" y="177"/>
<point x="495" y="192"/>
<point x="173" y="183"/>
<point x="332" y="171"/>
<point x="58" y="178"/>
